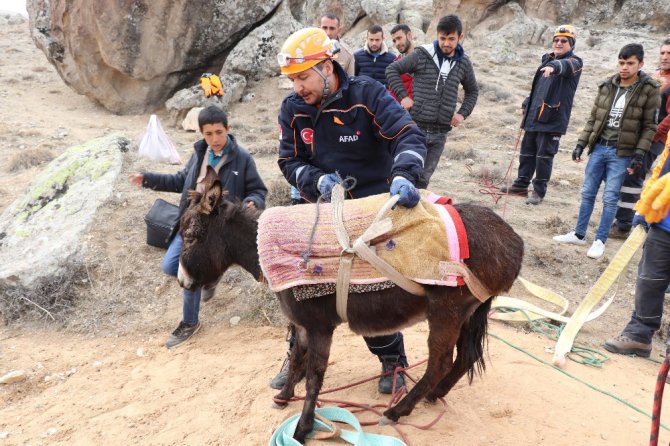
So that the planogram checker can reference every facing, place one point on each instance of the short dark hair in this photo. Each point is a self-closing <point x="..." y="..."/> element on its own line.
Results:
<point x="450" y="24"/>
<point x="331" y="16"/>
<point x="212" y="115"/>
<point x="374" y="29"/>
<point x="666" y="41"/>
<point x="401" y="27"/>
<point x="630" y="50"/>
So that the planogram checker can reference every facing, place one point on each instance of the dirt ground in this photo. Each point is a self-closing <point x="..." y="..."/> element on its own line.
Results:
<point x="99" y="374"/>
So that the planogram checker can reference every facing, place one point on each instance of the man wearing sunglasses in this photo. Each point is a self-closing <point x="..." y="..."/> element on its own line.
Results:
<point x="334" y="126"/>
<point x="546" y="115"/>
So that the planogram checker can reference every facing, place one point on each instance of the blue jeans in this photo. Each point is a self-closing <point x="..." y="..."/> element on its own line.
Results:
<point x="604" y="165"/>
<point x="170" y="266"/>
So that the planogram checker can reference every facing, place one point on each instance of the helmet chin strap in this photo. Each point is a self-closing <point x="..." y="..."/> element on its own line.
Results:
<point x="326" y="84"/>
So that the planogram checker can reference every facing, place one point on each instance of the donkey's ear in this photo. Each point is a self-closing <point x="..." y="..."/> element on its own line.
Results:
<point x="212" y="198"/>
<point x="211" y="177"/>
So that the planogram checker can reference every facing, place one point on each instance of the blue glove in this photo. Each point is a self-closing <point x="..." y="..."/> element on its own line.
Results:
<point x="639" y="220"/>
<point x="326" y="184"/>
<point x="409" y="195"/>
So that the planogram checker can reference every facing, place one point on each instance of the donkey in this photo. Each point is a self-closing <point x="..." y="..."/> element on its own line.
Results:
<point x="218" y="234"/>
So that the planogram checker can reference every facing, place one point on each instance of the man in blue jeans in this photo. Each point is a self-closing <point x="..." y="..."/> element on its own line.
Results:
<point x="239" y="177"/>
<point x="619" y="133"/>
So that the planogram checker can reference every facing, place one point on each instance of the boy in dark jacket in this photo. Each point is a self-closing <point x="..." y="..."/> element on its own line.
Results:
<point x="619" y="133"/>
<point x="437" y="69"/>
<point x="239" y="177"/>
<point x="546" y="115"/>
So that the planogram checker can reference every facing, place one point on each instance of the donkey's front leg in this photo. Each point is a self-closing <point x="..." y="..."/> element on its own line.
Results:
<point x="318" y="351"/>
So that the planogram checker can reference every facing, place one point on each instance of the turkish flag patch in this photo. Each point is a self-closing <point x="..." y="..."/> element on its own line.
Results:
<point x="307" y="136"/>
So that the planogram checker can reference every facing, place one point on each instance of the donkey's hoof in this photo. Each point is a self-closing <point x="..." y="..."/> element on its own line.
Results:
<point x="385" y="421"/>
<point x="276" y="405"/>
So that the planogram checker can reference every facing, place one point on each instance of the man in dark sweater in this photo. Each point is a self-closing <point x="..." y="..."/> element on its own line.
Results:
<point x="374" y="57"/>
<point x="438" y="69"/>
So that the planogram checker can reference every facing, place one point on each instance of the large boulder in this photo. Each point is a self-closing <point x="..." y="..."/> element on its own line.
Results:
<point x="638" y="13"/>
<point x="40" y="233"/>
<point x="131" y="56"/>
<point x="255" y="56"/>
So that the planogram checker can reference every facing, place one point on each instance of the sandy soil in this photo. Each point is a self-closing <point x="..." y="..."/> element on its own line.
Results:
<point x="100" y="373"/>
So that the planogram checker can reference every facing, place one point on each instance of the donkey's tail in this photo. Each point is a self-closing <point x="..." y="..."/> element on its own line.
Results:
<point x="472" y="340"/>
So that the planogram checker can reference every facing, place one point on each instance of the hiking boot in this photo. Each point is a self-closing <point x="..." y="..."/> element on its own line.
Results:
<point x="596" y="250"/>
<point x="534" y="199"/>
<point x="389" y="364"/>
<point x="207" y="293"/>
<point x="514" y="190"/>
<point x="624" y="345"/>
<point x="570" y="238"/>
<point x="617" y="232"/>
<point x="182" y="334"/>
<point x="280" y="378"/>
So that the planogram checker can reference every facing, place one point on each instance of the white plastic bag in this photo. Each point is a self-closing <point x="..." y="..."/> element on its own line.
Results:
<point x="156" y="145"/>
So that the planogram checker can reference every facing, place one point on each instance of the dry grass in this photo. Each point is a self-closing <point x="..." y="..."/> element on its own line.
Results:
<point x="279" y="193"/>
<point x="460" y="152"/>
<point x="29" y="158"/>
<point x="49" y="300"/>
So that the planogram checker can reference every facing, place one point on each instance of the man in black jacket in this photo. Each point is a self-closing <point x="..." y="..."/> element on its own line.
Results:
<point x="334" y="126"/>
<point x="239" y="177"/>
<point x="439" y="69"/>
<point x="546" y="115"/>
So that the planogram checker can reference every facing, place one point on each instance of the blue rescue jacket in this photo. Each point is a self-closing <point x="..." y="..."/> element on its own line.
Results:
<point x="549" y="105"/>
<point x="359" y="131"/>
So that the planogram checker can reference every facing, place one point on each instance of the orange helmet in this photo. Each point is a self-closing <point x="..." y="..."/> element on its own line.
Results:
<point x="304" y="49"/>
<point x="565" y="31"/>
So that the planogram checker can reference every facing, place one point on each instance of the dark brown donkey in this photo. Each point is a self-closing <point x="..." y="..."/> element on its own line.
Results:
<point x="218" y="233"/>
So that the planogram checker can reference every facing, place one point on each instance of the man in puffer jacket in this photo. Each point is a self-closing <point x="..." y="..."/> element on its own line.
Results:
<point x="632" y="185"/>
<point x="546" y="115"/>
<point x="619" y="132"/>
<point x="374" y="57"/>
<point x="653" y="275"/>
<point x="438" y="69"/>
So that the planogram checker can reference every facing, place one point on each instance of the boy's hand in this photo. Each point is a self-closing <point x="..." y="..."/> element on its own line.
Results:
<point x="136" y="179"/>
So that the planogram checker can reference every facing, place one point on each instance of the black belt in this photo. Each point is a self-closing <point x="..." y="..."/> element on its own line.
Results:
<point x="434" y="128"/>
<point x="608" y="142"/>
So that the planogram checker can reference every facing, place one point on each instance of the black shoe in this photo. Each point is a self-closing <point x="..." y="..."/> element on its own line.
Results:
<point x="389" y="364"/>
<point x="182" y="334"/>
<point x="515" y="190"/>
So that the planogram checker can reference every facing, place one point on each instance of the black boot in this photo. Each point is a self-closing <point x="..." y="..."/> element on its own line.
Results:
<point x="389" y="364"/>
<point x="280" y="378"/>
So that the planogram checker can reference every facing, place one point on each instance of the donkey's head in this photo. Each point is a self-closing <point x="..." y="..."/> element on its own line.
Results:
<point x="196" y="263"/>
<point x="216" y="233"/>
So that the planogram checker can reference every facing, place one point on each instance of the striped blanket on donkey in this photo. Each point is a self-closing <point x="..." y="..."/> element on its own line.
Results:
<point x="424" y="241"/>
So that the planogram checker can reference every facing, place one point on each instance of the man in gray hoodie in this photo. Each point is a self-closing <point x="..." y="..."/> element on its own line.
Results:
<point x="438" y="69"/>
